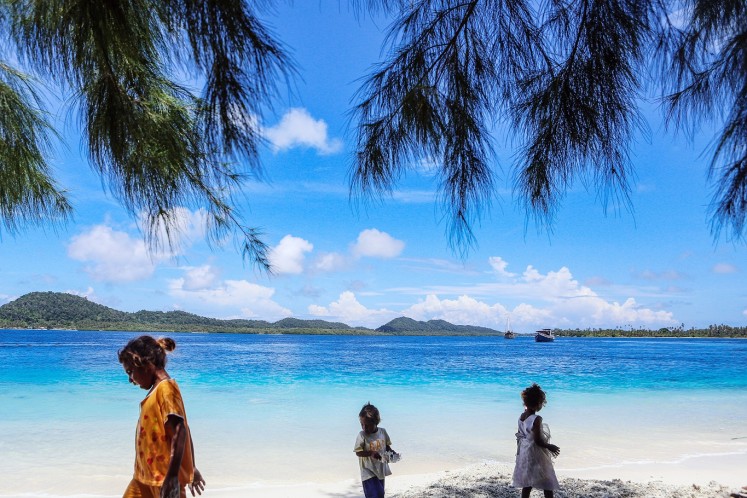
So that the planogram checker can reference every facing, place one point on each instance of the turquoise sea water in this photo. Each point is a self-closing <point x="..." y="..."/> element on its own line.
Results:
<point x="258" y="404"/>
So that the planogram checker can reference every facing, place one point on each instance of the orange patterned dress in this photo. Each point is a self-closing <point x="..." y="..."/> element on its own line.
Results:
<point x="152" y="443"/>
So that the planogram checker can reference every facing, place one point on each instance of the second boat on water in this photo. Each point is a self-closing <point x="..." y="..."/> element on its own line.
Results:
<point x="544" y="335"/>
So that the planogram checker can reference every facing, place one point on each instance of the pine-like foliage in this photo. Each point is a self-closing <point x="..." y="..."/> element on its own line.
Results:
<point x="566" y="76"/>
<point x="157" y="144"/>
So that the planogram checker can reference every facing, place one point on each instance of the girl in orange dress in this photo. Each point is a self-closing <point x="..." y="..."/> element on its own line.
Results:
<point x="164" y="454"/>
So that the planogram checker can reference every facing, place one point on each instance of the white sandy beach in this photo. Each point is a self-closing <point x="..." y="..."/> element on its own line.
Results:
<point x="492" y="480"/>
<point x="706" y="477"/>
<point x="276" y="458"/>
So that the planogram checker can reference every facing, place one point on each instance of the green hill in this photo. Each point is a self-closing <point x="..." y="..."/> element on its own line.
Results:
<point x="294" y="323"/>
<point x="56" y="310"/>
<point x="67" y="311"/>
<point x="404" y="325"/>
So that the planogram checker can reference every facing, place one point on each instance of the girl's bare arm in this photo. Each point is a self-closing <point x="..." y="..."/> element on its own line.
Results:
<point x="539" y="440"/>
<point x="198" y="482"/>
<point x="174" y="426"/>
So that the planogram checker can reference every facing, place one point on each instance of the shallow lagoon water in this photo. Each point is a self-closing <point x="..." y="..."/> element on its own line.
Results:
<point x="279" y="409"/>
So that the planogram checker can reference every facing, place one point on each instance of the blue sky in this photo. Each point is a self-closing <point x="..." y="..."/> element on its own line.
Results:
<point x="658" y="266"/>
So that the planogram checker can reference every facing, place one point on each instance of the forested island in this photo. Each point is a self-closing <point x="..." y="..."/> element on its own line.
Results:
<point x="57" y="310"/>
<point x="724" y="331"/>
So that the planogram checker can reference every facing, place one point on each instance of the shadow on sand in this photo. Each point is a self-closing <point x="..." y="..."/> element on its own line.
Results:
<point x="353" y="491"/>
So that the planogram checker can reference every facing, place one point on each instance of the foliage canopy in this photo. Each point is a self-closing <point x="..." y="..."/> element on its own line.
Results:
<point x="566" y="75"/>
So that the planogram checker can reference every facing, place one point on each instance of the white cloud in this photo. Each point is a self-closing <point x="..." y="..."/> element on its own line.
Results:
<point x="200" y="277"/>
<point x="253" y="300"/>
<point x="115" y="256"/>
<point x="724" y="268"/>
<point x="499" y="266"/>
<point x="574" y="305"/>
<point x="288" y="256"/>
<point x="186" y="225"/>
<point x="554" y="299"/>
<point x="463" y="310"/>
<point x="112" y="256"/>
<point x="348" y="310"/>
<point x="375" y="244"/>
<point x="88" y="293"/>
<point x="370" y="243"/>
<point x="298" y="129"/>
<point x="91" y="295"/>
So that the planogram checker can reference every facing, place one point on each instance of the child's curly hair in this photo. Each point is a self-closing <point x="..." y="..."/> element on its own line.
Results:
<point x="370" y="413"/>
<point x="145" y="349"/>
<point x="534" y="397"/>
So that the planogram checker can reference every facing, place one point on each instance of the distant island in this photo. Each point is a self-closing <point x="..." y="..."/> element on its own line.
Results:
<point x="58" y="310"/>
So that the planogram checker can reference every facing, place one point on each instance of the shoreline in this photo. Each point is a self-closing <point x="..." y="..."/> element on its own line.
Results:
<point x="362" y="333"/>
<point x="493" y="480"/>
<point x="698" y="476"/>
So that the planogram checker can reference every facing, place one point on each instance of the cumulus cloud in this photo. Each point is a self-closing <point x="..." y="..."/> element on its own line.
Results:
<point x="574" y="305"/>
<point x="200" y="277"/>
<point x="724" y="268"/>
<point x="297" y="128"/>
<point x="288" y="256"/>
<point x="552" y="299"/>
<point x="348" y="310"/>
<point x="463" y="310"/>
<point x="370" y="243"/>
<point x="112" y="256"/>
<point x="186" y="226"/>
<point x="375" y="244"/>
<point x="499" y="266"/>
<point x="253" y="300"/>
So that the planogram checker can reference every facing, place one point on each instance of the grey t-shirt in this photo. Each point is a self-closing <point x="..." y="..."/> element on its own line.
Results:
<point x="378" y="441"/>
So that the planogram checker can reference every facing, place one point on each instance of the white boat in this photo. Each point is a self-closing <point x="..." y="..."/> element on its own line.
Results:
<point x="509" y="333"/>
<point x="544" y="335"/>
